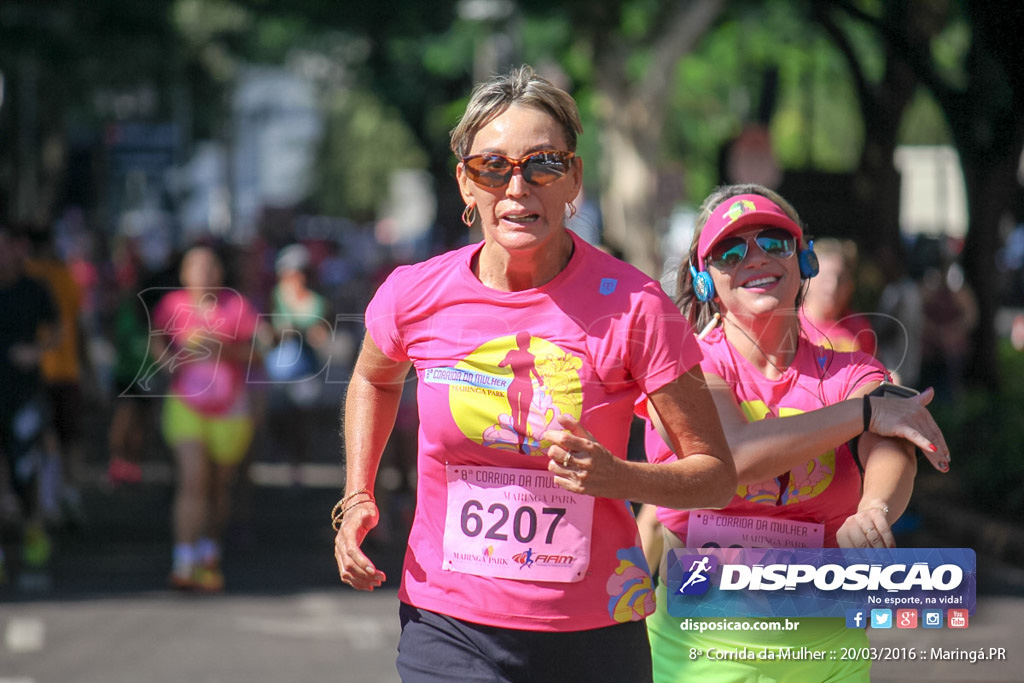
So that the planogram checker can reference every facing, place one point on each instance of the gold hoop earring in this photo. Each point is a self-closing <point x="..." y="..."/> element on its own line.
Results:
<point x="572" y="210"/>
<point x="469" y="215"/>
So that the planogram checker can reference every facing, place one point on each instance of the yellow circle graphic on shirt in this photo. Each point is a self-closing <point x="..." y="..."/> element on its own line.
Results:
<point x="510" y="390"/>
<point x="802" y="483"/>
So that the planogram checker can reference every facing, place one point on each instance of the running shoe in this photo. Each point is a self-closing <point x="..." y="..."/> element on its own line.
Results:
<point x="181" y="577"/>
<point x="209" y="579"/>
<point x="199" y="579"/>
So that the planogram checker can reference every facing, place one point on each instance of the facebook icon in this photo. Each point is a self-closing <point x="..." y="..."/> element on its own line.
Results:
<point x="856" y="618"/>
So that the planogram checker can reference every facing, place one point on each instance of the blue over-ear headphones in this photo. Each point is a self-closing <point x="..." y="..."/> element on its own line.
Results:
<point x="704" y="287"/>
<point x="808" y="261"/>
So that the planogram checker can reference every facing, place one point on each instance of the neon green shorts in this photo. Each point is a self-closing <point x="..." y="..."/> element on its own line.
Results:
<point x="226" y="438"/>
<point x="750" y="653"/>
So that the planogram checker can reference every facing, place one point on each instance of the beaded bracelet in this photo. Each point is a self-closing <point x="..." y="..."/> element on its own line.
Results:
<point x="342" y="506"/>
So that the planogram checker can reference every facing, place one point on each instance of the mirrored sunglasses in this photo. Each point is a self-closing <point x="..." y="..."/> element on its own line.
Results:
<point x="539" y="168"/>
<point x="732" y="250"/>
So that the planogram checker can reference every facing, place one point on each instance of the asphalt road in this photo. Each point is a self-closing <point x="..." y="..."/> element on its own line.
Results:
<point x="104" y="614"/>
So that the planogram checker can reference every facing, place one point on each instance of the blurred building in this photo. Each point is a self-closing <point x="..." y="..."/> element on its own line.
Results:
<point x="277" y="127"/>
<point x="933" y="197"/>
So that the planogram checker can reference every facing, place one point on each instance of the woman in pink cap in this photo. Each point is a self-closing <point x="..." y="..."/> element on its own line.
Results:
<point x="791" y="411"/>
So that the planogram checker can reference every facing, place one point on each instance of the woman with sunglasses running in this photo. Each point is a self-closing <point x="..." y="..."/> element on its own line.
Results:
<point x="790" y="410"/>
<point x="524" y="561"/>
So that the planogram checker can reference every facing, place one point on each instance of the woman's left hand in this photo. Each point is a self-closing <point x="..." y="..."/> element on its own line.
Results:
<point x="581" y="464"/>
<point x="908" y="418"/>
<point x="868" y="528"/>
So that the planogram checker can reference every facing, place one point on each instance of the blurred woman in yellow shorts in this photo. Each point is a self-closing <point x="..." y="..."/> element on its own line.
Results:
<point x="204" y="340"/>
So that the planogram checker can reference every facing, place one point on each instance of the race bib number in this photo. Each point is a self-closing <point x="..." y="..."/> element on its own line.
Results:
<point x="709" y="529"/>
<point x="515" y="524"/>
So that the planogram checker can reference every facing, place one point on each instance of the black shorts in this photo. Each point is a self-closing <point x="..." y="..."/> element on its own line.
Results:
<point x="435" y="648"/>
<point x="66" y="404"/>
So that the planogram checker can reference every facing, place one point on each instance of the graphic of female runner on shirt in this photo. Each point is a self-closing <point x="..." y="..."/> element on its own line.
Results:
<point x="520" y="390"/>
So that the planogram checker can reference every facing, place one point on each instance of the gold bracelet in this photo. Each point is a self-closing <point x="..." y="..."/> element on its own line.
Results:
<point x="341" y="507"/>
<point x="371" y="502"/>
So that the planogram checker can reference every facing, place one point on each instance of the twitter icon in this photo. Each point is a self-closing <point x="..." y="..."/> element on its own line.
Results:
<point x="881" y="618"/>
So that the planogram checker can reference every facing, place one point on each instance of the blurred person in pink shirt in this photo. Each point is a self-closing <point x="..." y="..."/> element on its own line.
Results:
<point x="203" y="339"/>
<point x="827" y="317"/>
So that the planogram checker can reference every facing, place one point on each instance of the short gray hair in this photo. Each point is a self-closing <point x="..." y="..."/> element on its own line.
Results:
<point x="520" y="86"/>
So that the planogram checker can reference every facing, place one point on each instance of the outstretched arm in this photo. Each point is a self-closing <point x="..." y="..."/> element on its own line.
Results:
<point x="889" y="470"/>
<point x="371" y="406"/>
<point x="764" y="448"/>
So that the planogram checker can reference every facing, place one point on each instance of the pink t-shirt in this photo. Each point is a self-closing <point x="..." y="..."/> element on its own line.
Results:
<point x="200" y="375"/>
<point x="826" y="489"/>
<point x="495" y="369"/>
<point x="852" y="332"/>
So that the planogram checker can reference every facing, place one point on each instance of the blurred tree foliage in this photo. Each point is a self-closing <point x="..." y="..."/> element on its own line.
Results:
<point x="62" y="63"/>
<point x="617" y="56"/>
<point x="811" y="108"/>
<point x="985" y="430"/>
<point x="976" y="75"/>
<point x="662" y="86"/>
<point x="366" y="140"/>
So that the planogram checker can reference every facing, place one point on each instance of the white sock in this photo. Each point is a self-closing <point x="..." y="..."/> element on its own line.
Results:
<point x="208" y="551"/>
<point x="184" y="558"/>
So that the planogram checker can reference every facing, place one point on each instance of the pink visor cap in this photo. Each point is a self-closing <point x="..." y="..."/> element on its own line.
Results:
<point x="736" y="213"/>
